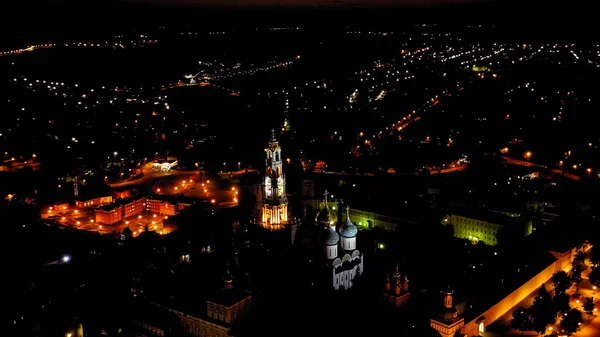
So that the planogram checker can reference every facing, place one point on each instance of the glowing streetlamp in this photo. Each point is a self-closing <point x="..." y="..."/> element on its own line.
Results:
<point x="527" y="155"/>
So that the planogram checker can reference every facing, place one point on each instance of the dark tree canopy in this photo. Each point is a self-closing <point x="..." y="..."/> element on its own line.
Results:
<point x="579" y="259"/>
<point x="560" y="303"/>
<point x="588" y="306"/>
<point x="570" y="323"/>
<point x="521" y="320"/>
<point x="561" y="281"/>
<point x="542" y="311"/>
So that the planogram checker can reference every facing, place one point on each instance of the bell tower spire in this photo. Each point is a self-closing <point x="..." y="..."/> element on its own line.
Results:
<point x="274" y="212"/>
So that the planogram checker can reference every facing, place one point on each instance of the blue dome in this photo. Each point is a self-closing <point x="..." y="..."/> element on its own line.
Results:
<point x="348" y="229"/>
<point x="330" y="237"/>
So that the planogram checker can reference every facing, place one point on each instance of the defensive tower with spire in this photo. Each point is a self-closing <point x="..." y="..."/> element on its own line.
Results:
<point x="448" y="323"/>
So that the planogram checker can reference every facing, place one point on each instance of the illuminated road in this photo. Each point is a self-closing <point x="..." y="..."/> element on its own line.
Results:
<point x="183" y="84"/>
<point x="30" y="48"/>
<point x="150" y="175"/>
<point x="512" y="161"/>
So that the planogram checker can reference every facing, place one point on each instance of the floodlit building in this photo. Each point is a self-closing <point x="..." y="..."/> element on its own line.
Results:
<point x="120" y="210"/>
<point x="343" y="261"/>
<point x="396" y="290"/>
<point x="273" y="203"/>
<point x="164" y="166"/>
<point x="483" y="225"/>
<point x="121" y="194"/>
<point x="164" y="205"/>
<point x="448" y="323"/>
<point x="94" y="202"/>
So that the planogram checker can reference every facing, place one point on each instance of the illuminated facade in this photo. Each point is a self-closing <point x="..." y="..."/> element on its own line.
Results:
<point x="484" y="226"/>
<point x="341" y="242"/>
<point x="124" y="208"/>
<point x="96" y="202"/>
<point x="274" y="204"/>
<point x="156" y="204"/>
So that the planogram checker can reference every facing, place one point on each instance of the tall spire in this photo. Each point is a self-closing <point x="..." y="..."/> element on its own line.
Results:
<point x="325" y="194"/>
<point x="397" y="275"/>
<point x="228" y="278"/>
<point x="273" y="138"/>
<point x="388" y="284"/>
<point x="348" y="215"/>
<point x="286" y="117"/>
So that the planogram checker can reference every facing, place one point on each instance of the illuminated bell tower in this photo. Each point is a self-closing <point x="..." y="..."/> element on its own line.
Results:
<point x="286" y="119"/>
<point x="274" y="203"/>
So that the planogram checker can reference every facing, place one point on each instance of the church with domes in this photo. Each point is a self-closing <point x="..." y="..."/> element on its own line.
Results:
<point x="396" y="290"/>
<point x="343" y="262"/>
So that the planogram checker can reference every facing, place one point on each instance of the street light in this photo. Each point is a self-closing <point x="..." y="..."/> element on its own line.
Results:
<point x="66" y="258"/>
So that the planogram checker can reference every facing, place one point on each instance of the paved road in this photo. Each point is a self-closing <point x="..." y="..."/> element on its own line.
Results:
<point x="589" y="329"/>
<point x="513" y="161"/>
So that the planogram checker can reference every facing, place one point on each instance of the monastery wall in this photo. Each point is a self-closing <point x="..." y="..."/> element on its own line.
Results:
<point x="496" y="311"/>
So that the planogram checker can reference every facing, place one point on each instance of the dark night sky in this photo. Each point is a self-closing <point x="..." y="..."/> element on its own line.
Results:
<point x="308" y="3"/>
<point x="574" y="16"/>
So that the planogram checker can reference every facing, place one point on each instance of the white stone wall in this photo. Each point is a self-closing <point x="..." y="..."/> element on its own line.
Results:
<point x="346" y="277"/>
